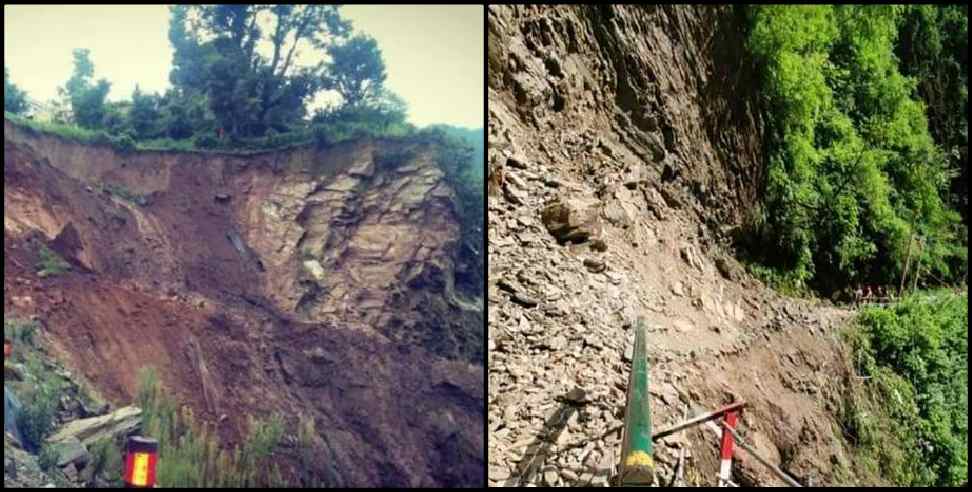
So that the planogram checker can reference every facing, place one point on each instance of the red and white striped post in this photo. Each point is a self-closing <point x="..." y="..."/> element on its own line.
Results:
<point x="726" y="450"/>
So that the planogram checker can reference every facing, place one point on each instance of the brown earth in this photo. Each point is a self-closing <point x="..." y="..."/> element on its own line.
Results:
<point x="304" y="282"/>
<point x="625" y="153"/>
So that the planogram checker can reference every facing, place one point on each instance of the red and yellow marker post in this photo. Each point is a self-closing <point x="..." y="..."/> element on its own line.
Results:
<point x="141" y="460"/>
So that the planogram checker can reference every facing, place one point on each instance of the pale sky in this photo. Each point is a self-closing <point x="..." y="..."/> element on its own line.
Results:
<point x="433" y="54"/>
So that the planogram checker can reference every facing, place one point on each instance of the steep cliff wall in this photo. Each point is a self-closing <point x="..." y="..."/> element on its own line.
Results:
<point x="296" y="281"/>
<point x="655" y="94"/>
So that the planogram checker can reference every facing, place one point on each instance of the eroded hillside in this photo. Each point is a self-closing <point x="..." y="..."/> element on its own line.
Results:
<point x="310" y="282"/>
<point x="625" y="148"/>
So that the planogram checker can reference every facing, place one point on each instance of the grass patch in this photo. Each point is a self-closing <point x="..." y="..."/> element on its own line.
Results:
<point x="121" y="143"/>
<point x="189" y="452"/>
<point x="324" y="135"/>
<point x="908" y="423"/>
<point x="51" y="264"/>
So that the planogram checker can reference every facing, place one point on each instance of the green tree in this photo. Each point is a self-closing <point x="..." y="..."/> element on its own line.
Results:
<point x="14" y="99"/>
<point x="356" y="71"/>
<point x="248" y="93"/>
<point x="87" y="98"/>
<point x="115" y="118"/>
<point x="933" y="47"/>
<point x="144" y="116"/>
<point x="853" y="173"/>
<point x="183" y="113"/>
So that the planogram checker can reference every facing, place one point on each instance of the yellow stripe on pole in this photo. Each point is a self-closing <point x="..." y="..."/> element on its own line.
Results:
<point x="639" y="458"/>
<point x="140" y="476"/>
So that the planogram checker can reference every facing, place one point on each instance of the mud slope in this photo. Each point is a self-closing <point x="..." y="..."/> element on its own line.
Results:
<point x="313" y="283"/>
<point x="625" y="147"/>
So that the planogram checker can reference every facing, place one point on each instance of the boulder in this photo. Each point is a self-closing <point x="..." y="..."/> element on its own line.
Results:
<point x="120" y="423"/>
<point x="618" y="214"/>
<point x="517" y="161"/>
<point x="573" y="219"/>
<point x="594" y="265"/>
<point x="71" y="451"/>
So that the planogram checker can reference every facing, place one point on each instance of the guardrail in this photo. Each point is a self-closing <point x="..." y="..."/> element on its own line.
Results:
<point x="637" y="465"/>
<point x="637" y="468"/>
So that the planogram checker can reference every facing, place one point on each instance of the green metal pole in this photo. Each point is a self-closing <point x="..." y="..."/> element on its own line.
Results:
<point x="637" y="465"/>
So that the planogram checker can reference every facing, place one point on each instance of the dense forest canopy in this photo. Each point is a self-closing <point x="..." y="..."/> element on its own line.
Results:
<point x="861" y="188"/>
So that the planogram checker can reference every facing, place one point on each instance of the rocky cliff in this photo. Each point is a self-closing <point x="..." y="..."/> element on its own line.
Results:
<point x="656" y="94"/>
<point x="311" y="282"/>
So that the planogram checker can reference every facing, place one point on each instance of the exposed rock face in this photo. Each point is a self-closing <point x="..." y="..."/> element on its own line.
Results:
<point x="118" y="424"/>
<point x="362" y="239"/>
<point x="320" y="284"/>
<point x="653" y="92"/>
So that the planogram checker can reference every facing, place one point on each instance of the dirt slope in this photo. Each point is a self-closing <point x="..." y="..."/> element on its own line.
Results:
<point x="280" y="282"/>
<point x="636" y="127"/>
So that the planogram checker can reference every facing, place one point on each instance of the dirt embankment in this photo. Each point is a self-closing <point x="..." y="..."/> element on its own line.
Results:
<point x="293" y="281"/>
<point x="625" y="146"/>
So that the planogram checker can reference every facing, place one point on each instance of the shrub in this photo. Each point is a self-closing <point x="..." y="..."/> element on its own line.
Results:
<point x="123" y="143"/>
<point x="106" y="460"/>
<point x="206" y="142"/>
<point x="911" y="423"/>
<point x="47" y="459"/>
<point x="19" y="331"/>
<point x="40" y="403"/>
<point x="51" y="264"/>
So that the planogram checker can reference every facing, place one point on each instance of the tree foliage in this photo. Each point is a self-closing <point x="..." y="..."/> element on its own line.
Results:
<point x="87" y="97"/>
<point x="854" y="176"/>
<point x="933" y="47"/>
<point x="144" y="115"/>
<point x="14" y="99"/>
<point x="248" y="93"/>
<point x="240" y="84"/>
<point x="356" y="72"/>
